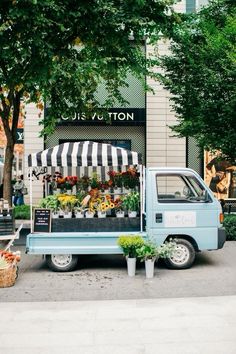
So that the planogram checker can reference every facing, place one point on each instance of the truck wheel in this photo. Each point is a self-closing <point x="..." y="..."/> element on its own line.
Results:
<point x="61" y="262"/>
<point x="183" y="257"/>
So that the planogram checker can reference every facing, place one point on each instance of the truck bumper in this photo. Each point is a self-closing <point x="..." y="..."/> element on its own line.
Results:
<point x="221" y="237"/>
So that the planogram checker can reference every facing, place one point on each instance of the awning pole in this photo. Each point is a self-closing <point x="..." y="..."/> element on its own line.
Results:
<point x="31" y="201"/>
<point x="141" y="198"/>
<point x="144" y="191"/>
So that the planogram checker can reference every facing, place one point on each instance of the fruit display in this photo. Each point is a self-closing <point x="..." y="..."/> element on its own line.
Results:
<point x="9" y="259"/>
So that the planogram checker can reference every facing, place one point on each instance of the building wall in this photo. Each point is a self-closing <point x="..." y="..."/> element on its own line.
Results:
<point x="162" y="149"/>
<point x="32" y="143"/>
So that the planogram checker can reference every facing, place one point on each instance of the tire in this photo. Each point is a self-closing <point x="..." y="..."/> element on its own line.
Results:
<point x="183" y="257"/>
<point x="62" y="262"/>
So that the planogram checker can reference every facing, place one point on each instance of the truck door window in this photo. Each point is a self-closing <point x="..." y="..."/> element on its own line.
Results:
<point x="178" y="189"/>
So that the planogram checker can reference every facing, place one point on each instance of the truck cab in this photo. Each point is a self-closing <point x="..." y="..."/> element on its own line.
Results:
<point x="180" y="206"/>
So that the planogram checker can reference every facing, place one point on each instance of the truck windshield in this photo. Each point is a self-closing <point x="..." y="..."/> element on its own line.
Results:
<point x="173" y="188"/>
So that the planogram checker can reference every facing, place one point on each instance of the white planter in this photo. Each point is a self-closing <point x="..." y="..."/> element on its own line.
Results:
<point x="132" y="214"/>
<point x="126" y="190"/>
<point x="68" y="215"/>
<point x="117" y="190"/>
<point x="69" y="191"/>
<point x="131" y="266"/>
<point x="102" y="214"/>
<point x="58" y="191"/>
<point x="55" y="215"/>
<point x="74" y="190"/>
<point x="149" y="268"/>
<point x="79" y="215"/>
<point x="120" y="214"/>
<point x="89" y="215"/>
<point x="106" y="191"/>
<point x="61" y="213"/>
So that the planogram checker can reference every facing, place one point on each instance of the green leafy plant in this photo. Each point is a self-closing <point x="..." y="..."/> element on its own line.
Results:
<point x="22" y="212"/>
<point x="79" y="205"/>
<point x="147" y="251"/>
<point x="166" y="249"/>
<point x="50" y="202"/>
<point x="230" y="227"/>
<point x="150" y="250"/>
<point x="131" y="201"/>
<point x="130" y="244"/>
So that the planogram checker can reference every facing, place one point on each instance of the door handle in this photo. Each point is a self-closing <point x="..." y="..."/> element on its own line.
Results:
<point x="158" y="218"/>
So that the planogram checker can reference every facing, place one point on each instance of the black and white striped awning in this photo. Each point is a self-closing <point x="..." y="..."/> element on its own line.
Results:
<point x="86" y="153"/>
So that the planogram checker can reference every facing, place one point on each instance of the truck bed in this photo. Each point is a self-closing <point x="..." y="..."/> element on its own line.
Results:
<point x="76" y="242"/>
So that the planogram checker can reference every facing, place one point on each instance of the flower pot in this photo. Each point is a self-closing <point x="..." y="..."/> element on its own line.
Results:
<point x="102" y="214"/>
<point x="69" y="191"/>
<point x="61" y="214"/>
<point x="126" y="190"/>
<point x="89" y="215"/>
<point x="132" y="214"/>
<point x="131" y="266"/>
<point x="79" y="215"/>
<point x="120" y="214"/>
<point x="58" y="191"/>
<point x="149" y="268"/>
<point x="68" y="215"/>
<point x="55" y="215"/>
<point x="117" y="190"/>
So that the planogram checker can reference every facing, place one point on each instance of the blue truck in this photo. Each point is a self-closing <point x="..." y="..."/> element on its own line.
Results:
<point x="175" y="204"/>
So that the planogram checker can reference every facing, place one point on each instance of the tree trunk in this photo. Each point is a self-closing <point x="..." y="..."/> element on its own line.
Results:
<point x="7" y="173"/>
<point x="10" y="131"/>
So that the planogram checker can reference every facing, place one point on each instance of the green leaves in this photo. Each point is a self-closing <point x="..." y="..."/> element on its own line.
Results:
<point x="130" y="244"/>
<point x="200" y="75"/>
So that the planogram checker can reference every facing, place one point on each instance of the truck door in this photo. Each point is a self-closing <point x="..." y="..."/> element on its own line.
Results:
<point x="179" y="207"/>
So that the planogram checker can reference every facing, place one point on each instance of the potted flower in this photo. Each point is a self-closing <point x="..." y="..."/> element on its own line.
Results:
<point x="94" y="182"/>
<point x="51" y="202"/>
<point x="130" y="244"/>
<point x="119" y="210"/>
<point x="116" y="178"/>
<point x="67" y="203"/>
<point x="105" y="187"/>
<point x="60" y="182"/>
<point x="149" y="252"/>
<point x="130" y="179"/>
<point x="79" y="207"/>
<point x="131" y="202"/>
<point x="83" y="183"/>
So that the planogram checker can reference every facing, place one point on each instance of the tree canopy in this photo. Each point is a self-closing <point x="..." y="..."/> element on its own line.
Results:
<point x="200" y="73"/>
<point x="61" y="50"/>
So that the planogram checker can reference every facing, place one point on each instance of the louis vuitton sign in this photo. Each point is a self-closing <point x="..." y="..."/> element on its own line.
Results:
<point x="119" y="116"/>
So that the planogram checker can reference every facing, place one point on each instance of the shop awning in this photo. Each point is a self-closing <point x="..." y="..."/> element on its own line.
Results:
<point x="85" y="153"/>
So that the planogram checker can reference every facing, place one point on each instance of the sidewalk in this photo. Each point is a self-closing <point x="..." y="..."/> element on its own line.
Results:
<point x="162" y="326"/>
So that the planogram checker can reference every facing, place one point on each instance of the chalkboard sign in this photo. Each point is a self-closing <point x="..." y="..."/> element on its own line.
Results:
<point x="42" y="220"/>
